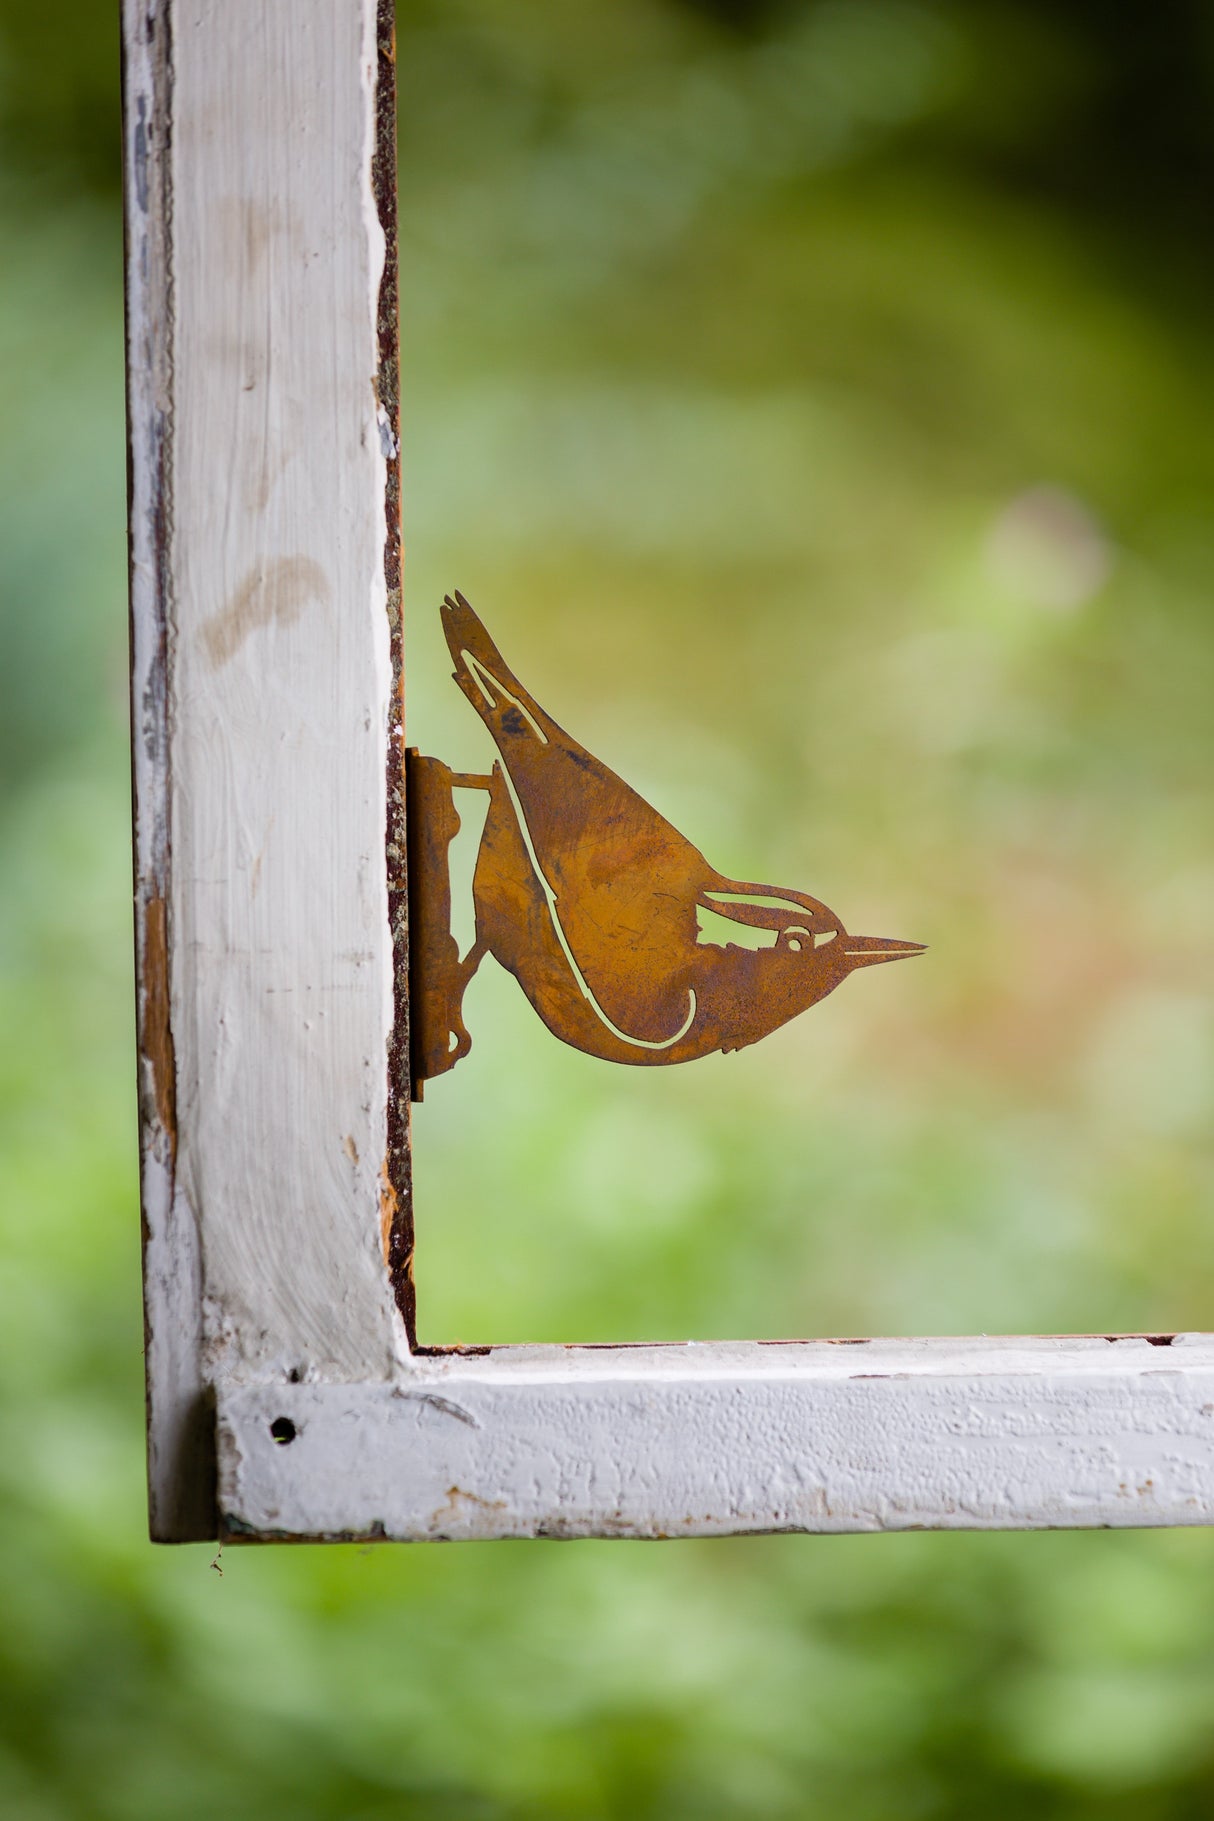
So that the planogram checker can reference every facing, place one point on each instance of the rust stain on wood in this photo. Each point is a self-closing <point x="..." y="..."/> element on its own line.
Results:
<point x="156" y="1033"/>
<point x="389" y="1207"/>
<point x="458" y="1498"/>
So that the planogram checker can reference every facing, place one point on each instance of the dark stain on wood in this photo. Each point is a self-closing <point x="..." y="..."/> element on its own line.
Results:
<point x="275" y="593"/>
<point x="396" y="1193"/>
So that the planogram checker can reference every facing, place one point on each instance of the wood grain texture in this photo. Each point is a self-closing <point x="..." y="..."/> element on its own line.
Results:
<point x="262" y="700"/>
<point x="725" y="1439"/>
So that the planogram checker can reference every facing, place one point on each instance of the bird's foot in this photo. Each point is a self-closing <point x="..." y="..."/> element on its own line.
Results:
<point x="437" y="974"/>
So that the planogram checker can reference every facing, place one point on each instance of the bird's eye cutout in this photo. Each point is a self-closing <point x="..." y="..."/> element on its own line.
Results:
<point x="796" y="938"/>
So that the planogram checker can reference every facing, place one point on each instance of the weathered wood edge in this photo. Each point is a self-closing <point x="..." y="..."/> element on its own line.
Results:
<point x="716" y="1440"/>
<point x="180" y="1426"/>
<point x="397" y="1192"/>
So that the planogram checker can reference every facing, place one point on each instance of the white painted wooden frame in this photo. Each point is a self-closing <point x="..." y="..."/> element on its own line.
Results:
<point x="284" y="1396"/>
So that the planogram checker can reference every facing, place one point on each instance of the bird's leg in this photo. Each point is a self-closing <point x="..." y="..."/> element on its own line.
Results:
<point x="437" y="975"/>
<point x="471" y="961"/>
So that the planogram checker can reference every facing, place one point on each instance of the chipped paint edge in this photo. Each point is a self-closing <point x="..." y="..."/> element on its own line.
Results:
<point x="396" y="1194"/>
<point x="180" y="1423"/>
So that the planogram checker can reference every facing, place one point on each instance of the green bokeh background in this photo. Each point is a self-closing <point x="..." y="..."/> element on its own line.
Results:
<point x="816" y="401"/>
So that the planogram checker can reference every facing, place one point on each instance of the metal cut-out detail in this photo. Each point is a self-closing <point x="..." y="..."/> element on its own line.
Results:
<point x="589" y="898"/>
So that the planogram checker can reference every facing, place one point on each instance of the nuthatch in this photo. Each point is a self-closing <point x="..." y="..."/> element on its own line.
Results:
<point x="591" y="899"/>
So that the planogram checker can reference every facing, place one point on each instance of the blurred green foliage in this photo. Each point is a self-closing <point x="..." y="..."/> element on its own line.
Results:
<point x="814" y="399"/>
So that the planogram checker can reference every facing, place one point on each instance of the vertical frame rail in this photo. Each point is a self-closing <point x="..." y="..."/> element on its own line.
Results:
<point x="265" y="615"/>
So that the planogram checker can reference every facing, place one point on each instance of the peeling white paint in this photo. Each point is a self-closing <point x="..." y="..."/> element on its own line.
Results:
<point x="726" y="1439"/>
<point x="278" y="745"/>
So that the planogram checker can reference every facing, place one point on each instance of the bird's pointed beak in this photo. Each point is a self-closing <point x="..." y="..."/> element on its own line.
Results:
<point x="867" y="951"/>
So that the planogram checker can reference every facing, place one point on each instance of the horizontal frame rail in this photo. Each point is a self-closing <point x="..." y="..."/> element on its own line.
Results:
<point x="722" y="1439"/>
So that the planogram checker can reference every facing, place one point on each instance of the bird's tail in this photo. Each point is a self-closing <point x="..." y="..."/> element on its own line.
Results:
<point x="488" y="682"/>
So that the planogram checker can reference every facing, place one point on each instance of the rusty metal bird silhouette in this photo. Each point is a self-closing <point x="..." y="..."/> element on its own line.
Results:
<point x="594" y="902"/>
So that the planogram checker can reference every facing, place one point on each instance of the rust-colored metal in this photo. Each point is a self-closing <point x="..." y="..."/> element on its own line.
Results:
<point x="594" y="902"/>
<point x="437" y="976"/>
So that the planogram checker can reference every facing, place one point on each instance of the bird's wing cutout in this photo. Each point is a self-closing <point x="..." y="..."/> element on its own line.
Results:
<point x="726" y="931"/>
<point x="764" y="906"/>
